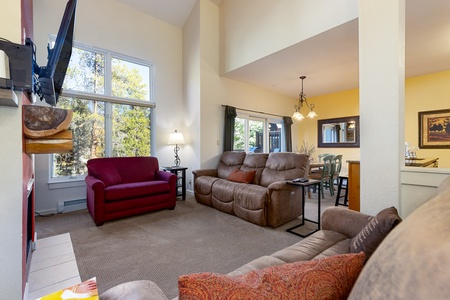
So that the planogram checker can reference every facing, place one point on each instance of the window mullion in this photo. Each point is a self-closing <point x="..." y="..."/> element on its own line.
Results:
<point x="108" y="106"/>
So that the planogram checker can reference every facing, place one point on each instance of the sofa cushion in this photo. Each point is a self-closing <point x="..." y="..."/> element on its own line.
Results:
<point x="204" y="184"/>
<point x="328" y="278"/>
<point x="281" y="166"/>
<point x="223" y="195"/>
<point x="257" y="264"/>
<point x="375" y="231"/>
<point x="229" y="161"/>
<point x="241" y="176"/>
<point x="136" y="190"/>
<point x="314" y="246"/>
<point x="139" y="290"/>
<point x="255" y="162"/>
<point x="105" y="171"/>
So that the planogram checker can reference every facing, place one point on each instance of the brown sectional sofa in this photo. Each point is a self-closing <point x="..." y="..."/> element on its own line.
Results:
<point x="410" y="263"/>
<point x="267" y="200"/>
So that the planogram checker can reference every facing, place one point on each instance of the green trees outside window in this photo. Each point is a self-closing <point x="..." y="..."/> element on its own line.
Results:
<point x="97" y="124"/>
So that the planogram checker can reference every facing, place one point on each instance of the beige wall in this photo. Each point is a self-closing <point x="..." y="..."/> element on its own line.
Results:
<point x="11" y="172"/>
<point x="205" y="89"/>
<point x="251" y="36"/>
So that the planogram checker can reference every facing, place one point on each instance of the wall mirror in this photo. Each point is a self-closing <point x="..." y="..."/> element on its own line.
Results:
<point x="338" y="132"/>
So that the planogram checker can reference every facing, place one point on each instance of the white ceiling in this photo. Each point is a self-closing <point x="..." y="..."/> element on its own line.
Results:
<point x="330" y="60"/>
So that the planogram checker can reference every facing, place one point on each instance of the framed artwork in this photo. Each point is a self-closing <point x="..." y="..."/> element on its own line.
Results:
<point x="434" y="129"/>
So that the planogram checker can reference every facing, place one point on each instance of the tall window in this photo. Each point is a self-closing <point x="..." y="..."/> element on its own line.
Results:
<point x="111" y="98"/>
<point x="257" y="134"/>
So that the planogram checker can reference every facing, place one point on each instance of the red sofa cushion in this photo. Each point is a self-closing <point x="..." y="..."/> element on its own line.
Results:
<point x="136" y="190"/>
<point x="116" y="170"/>
<point x="105" y="171"/>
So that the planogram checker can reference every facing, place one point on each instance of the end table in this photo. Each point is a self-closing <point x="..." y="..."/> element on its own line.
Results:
<point x="181" y="179"/>
<point x="303" y="185"/>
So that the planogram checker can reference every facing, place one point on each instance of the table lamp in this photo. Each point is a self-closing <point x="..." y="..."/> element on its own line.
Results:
<point x="176" y="138"/>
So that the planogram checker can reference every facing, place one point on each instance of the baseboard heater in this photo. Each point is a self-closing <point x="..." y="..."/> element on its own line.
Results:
<point x="71" y="205"/>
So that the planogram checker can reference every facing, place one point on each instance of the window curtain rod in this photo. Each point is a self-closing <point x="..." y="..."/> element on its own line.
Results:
<point x="254" y="111"/>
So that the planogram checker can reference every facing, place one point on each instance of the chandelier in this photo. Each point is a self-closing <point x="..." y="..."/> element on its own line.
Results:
<point x="302" y="99"/>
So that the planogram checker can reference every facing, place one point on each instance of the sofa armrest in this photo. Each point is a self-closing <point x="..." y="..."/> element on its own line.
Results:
<point x="166" y="176"/>
<point x="343" y="220"/>
<point x="205" y="172"/>
<point x="95" y="198"/>
<point x="94" y="183"/>
<point x="284" y="203"/>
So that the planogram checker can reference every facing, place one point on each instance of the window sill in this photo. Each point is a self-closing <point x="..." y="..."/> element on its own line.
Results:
<point x="54" y="184"/>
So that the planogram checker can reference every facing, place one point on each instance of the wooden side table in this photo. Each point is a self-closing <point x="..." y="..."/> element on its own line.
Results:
<point x="181" y="179"/>
<point x="353" y="185"/>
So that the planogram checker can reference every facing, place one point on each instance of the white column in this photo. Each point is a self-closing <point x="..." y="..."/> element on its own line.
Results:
<point x="381" y="82"/>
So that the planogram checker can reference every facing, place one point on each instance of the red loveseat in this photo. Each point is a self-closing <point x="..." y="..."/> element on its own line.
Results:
<point x="119" y="187"/>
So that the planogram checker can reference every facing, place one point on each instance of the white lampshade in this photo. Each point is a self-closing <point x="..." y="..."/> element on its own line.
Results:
<point x="297" y="116"/>
<point x="312" y="114"/>
<point x="176" y="138"/>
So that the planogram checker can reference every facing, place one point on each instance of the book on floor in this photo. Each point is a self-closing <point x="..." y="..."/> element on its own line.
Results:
<point x="85" y="290"/>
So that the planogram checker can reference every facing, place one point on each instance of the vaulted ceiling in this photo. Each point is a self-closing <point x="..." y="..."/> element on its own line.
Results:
<point x="330" y="59"/>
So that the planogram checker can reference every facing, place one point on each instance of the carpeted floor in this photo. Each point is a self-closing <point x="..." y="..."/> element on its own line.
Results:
<point x="160" y="246"/>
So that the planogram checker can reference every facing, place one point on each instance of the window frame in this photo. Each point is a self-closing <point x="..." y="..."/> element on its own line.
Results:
<point x="108" y="99"/>
<point x="267" y="119"/>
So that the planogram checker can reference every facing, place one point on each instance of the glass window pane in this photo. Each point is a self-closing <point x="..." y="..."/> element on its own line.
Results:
<point x="239" y="134"/>
<point x="130" y="80"/>
<point x="256" y="136"/>
<point x="131" y="130"/>
<point x="275" y="137"/>
<point x="86" y="72"/>
<point x="88" y="137"/>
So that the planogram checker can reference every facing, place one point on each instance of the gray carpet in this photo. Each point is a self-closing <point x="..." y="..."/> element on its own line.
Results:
<point x="160" y="246"/>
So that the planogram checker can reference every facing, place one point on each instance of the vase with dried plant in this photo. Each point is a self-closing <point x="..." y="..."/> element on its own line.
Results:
<point x="307" y="149"/>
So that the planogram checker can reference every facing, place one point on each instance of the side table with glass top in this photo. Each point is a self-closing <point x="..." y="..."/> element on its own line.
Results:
<point x="181" y="179"/>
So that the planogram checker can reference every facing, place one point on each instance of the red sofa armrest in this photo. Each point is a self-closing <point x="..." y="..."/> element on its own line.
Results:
<point x="166" y="176"/>
<point x="95" y="198"/>
<point x="171" y="179"/>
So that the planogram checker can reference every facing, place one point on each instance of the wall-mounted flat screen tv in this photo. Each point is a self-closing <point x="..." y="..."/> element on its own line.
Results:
<point x="51" y="77"/>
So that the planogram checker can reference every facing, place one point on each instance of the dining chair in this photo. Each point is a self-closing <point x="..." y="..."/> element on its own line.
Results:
<point x="338" y="164"/>
<point x="320" y="158"/>
<point x="326" y="176"/>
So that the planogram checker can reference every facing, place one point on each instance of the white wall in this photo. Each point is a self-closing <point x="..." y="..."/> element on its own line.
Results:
<point x="109" y="25"/>
<point x="251" y="36"/>
<point x="382" y="97"/>
<point x="11" y="172"/>
<point x="418" y="186"/>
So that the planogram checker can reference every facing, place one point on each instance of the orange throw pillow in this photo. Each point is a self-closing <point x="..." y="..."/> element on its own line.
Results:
<point x="327" y="278"/>
<point x="241" y="176"/>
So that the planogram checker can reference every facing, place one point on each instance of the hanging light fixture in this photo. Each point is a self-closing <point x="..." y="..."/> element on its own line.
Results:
<point x="302" y="99"/>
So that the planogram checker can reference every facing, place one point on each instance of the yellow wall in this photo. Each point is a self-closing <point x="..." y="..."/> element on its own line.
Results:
<point x="341" y="104"/>
<point x="422" y="93"/>
<point x="425" y="93"/>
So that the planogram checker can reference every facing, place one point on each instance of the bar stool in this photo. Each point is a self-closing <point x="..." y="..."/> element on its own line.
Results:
<point x="341" y="187"/>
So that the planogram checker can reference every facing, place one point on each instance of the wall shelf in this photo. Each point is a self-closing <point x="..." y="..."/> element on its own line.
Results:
<point x="8" y="98"/>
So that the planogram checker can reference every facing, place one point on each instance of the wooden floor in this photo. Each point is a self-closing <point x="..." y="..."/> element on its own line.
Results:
<point x="53" y="266"/>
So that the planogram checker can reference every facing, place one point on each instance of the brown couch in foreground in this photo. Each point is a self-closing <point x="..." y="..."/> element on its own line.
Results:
<point x="253" y="186"/>
<point x="410" y="263"/>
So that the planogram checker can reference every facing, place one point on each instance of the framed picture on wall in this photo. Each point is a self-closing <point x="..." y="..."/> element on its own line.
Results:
<point x="434" y="129"/>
